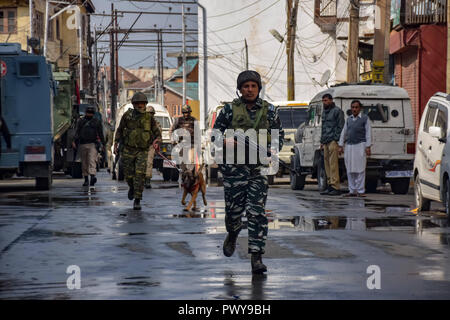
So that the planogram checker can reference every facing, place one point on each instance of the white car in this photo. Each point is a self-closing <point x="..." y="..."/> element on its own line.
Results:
<point x="431" y="164"/>
<point x="389" y="111"/>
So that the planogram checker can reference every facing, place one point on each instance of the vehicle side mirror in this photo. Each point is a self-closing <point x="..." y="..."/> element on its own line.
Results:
<point x="435" y="132"/>
<point x="443" y="140"/>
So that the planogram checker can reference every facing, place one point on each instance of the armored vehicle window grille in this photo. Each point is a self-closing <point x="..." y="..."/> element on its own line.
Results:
<point x="29" y="69"/>
<point x="429" y="118"/>
<point x="374" y="114"/>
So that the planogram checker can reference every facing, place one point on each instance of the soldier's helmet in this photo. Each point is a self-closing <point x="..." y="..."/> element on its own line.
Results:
<point x="186" y="108"/>
<point x="151" y="109"/>
<point x="248" y="75"/>
<point x="139" y="97"/>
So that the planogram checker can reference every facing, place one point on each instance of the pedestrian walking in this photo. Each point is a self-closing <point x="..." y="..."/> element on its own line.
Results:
<point x="245" y="187"/>
<point x="151" y="154"/>
<point x="136" y="130"/>
<point x="357" y="138"/>
<point x="88" y="131"/>
<point x="332" y="124"/>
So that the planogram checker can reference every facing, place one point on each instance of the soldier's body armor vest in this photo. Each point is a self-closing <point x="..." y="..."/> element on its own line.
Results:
<point x="137" y="132"/>
<point x="242" y="120"/>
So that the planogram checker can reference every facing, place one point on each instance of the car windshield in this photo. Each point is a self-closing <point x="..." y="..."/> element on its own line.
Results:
<point x="291" y="118"/>
<point x="163" y="121"/>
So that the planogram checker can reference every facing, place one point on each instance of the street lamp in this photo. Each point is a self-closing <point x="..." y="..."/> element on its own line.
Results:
<point x="277" y="35"/>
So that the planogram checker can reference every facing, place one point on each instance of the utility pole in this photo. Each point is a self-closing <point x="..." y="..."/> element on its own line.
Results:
<point x="162" y="69"/>
<point x="184" y="54"/>
<point x="30" y="6"/>
<point x="46" y="29"/>
<point x="116" y="53"/>
<point x="353" y="43"/>
<point x="246" y="54"/>
<point x="290" y="45"/>
<point x="80" y="37"/>
<point x="381" y="42"/>
<point x="112" y="68"/>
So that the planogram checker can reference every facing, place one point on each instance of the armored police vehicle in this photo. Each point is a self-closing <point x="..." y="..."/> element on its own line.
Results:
<point x="26" y="101"/>
<point x="393" y="147"/>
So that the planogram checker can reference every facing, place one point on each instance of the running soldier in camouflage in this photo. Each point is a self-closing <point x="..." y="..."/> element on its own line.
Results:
<point x="244" y="186"/>
<point x="136" y="131"/>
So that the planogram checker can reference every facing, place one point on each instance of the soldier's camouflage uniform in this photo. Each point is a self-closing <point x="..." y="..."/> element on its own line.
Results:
<point x="244" y="185"/>
<point x="135" y="133"/>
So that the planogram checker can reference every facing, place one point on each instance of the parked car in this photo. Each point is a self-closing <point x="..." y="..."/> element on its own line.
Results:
<point x="393" y="148"/>
<point x="431" y="164"/>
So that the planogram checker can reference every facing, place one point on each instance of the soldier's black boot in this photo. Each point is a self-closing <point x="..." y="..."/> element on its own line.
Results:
<point x="93" y="180"/>
<point x="147" y="183"/>
<point x="229" y="245"/>
<point x="257" y="266"/>
<point x="131" y="193"/>
<point x="86" y="181"/>
<point x="137" y="204"/>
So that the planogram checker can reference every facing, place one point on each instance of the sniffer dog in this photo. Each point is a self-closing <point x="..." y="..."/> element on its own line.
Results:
<point x="193" y="182"/>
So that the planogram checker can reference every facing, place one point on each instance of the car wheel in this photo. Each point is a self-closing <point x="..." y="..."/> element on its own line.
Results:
<point x="447" y="198"/>
<point x="166" y="174"/>
<point x="174" y="175"/>
<point x="321" y="176"/>
<point x="271" y="179"/>
<point x="400" y="186"/>
<point x="371" y="185"/>
<point x="297" y="181"/>
<point x="76" y="170"/>
<point x="422" y="204"/>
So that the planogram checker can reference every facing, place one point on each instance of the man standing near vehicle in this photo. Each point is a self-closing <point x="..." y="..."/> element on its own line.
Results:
<point x="136" y="132"/>
<point x="357" y="138"/>
<point x="151" y="154"/>
<point x="89" y="130"/>
<point x="332" y="124"/>
<point x="244" y="186"/>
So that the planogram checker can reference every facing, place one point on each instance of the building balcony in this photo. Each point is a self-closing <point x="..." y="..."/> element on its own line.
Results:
<point x="325" y="14"/>
<point x="425" y="12"/>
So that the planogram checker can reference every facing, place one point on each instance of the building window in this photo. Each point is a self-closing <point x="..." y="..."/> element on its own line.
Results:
<point x="58" y="36"/>
<point x="39" y="25"/>
<point x="50" y="31"/>
<point x="8" y="20"/>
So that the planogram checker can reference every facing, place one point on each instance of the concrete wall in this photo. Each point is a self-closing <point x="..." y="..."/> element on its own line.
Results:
<point x="317" y="51"/>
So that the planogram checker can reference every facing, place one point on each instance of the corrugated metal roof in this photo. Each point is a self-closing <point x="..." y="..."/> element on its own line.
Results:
<point x="190" y="65"/>
<point x="191" y="89"/>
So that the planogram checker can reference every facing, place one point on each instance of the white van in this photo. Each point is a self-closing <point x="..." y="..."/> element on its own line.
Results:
<point x="164" y="119"/>
<point x="393" y="148"/>
<point x="292" y="114"/>
<point x="431" y="164"/>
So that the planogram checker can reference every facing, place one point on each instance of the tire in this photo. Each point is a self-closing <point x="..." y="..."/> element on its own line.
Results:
<point x="422" y="203"/>
<point x="400" y="186"/>
<point x="43" y="183"/>
<point x="174" y="175"/>
<point x="271" y="179"/>
<point x="120" y="173"/>
<point x="166" y="174"/>
<point x="371" y="185"/>
<point x="321" y="176"/>
<point x="447" y="197"/>
<point x="76" y="170"/>
<point x="297" y="181"/>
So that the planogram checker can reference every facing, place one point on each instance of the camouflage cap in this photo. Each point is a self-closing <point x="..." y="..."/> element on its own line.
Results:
<point x="186" y="108"/>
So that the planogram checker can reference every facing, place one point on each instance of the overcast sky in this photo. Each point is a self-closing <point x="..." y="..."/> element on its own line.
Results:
<point x="132" y="57"/>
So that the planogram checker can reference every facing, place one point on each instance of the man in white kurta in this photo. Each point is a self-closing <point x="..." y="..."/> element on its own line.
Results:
<point x="357" y="138"/>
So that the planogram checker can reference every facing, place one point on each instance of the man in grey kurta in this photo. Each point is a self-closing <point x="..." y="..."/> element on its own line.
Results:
<point x="356" y="135"/>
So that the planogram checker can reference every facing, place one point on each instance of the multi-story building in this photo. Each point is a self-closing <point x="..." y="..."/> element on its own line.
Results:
<point x="418" y="44"/>
<point x="63" y="47"/>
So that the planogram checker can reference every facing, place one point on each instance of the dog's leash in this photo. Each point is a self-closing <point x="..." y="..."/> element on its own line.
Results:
<point x="162" y="156"/>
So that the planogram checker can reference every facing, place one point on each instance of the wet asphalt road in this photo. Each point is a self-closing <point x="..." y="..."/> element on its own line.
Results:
<point x="319" y="247"/>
